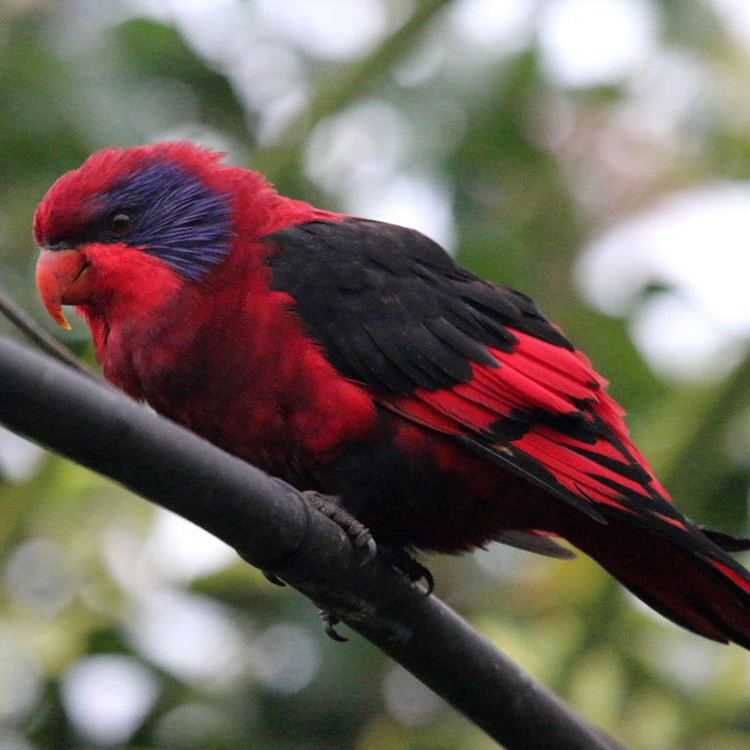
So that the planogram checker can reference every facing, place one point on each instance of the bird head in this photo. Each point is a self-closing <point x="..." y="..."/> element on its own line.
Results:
<point x="130" y="226"/>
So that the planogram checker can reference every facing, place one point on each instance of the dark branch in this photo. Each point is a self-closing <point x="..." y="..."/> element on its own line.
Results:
<point x="271" y="527"/>
<point x="27" y="325"/>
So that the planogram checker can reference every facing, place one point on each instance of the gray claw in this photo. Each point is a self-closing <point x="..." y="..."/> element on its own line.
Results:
<point x="329" y="622"/>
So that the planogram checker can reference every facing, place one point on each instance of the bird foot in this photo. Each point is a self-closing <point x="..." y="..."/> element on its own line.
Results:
<point x="359" y="535"/>
<point x="360" y="538"/>
<point x="400" y="559"/>
<point x="362" y="541"/>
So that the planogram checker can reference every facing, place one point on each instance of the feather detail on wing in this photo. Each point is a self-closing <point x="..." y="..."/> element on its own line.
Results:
<point x="544" y="412"/>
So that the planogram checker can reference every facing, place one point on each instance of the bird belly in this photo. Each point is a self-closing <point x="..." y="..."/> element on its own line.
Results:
<point x="418" y="489"/>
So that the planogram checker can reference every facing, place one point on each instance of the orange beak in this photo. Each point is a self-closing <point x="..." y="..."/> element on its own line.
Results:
<point x="62" y="279"/>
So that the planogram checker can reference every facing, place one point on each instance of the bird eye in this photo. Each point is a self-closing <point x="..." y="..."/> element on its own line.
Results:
<point x="121" y="223"/>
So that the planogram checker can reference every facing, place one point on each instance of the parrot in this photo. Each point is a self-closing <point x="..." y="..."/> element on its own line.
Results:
<point x="357" y="359"/>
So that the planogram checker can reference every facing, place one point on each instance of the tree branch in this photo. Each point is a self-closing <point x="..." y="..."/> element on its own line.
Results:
<point x="271" y="526"/>
<point x="34" y="332"/>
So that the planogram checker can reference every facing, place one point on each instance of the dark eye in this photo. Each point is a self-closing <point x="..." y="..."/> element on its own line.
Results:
<point x="120" y="223"/>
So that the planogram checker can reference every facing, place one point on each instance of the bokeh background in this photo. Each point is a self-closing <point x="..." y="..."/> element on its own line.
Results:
<point x="594" y="153"/>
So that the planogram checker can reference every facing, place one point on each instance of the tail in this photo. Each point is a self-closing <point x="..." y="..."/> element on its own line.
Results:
<point x="683" y="573"/>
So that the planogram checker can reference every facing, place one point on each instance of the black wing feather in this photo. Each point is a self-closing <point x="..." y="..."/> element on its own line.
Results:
<point x="391" y="307"/>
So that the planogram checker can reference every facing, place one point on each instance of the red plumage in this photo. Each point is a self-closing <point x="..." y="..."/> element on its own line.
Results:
<point x="358" y="359"/>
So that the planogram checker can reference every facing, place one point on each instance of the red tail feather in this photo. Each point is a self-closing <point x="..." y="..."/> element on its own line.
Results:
<point x="701" y="589"/>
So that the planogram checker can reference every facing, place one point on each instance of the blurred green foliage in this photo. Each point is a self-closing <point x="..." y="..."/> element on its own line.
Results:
<point x="119" y="627"/>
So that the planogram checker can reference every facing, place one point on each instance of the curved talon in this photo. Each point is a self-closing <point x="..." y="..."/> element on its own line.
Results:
<point x="367" y="546"/>
<point x="275" y="580"/>
<point x="415" y="572"/>
<point x="411" y="568"/>
<point x="329" y="623"/>
<point x="428" y="578"/>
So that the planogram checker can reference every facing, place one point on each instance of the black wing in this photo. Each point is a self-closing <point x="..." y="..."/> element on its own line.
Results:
<point x="393" y="309"/>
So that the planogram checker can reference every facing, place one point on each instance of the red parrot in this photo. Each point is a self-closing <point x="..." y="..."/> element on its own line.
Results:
<point x="357" y="359"/>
